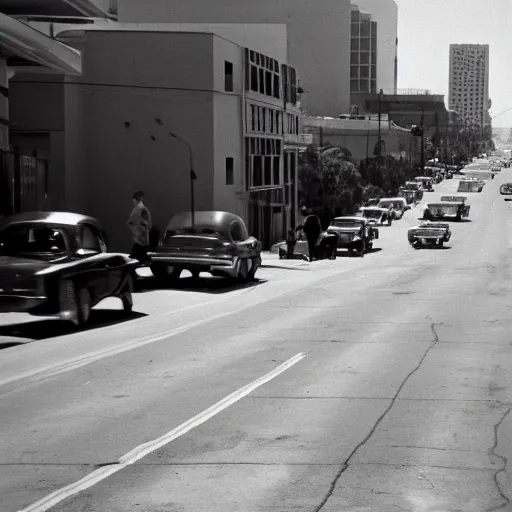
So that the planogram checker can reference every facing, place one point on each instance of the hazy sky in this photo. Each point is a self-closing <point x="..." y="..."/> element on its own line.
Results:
<point x="426" y="28"/>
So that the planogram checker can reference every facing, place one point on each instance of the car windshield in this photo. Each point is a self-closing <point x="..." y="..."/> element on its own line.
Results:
<point x="412" y="185"/>
<point x="372" y="214"/>
<point x="342" y="223"/>
<point x="33" y="240"/>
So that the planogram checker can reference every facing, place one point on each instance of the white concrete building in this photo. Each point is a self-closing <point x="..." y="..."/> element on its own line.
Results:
<point x="469" y="82"/>
<point x="385" y="14"/>
<point x="318" y="37"/>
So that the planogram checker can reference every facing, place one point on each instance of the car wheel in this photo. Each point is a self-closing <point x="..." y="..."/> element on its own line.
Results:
<point x="195" y="274"/>
<point x="165" y="272"/>
<point x="242" y="273"/>
<point x="351" y="252"/>
<point x="440" y="244"/>
<point x="83" y="304"/>
<point x="252" y="272"/>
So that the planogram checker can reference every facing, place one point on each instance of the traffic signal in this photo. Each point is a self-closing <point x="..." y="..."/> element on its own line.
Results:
<point x="417" y="131"/>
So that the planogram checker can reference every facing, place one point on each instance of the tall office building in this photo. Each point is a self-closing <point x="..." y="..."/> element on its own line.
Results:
<point x="469" y="82"/>
<point x="318" y="37"/>
<point x="363" y="52"/>
<point x="385" y="14"/>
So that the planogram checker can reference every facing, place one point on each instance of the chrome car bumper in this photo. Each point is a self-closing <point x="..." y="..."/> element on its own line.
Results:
<point x="11" y="303"/>
<point x="222" y="266"/>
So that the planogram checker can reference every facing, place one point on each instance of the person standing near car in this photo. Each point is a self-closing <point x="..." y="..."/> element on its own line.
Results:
<point x="312" y="229"/>
<point x="140" y="225"/>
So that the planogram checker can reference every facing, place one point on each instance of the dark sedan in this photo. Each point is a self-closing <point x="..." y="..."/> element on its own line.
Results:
<point x="57" y="264"/>
<point x="216" y="242"/>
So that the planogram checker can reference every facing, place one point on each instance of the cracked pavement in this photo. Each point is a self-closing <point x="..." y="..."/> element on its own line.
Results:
<point x="403" y="401"/>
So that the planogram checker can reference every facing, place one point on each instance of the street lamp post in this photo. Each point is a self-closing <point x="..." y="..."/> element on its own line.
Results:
<point x="192" y="174"/>
<point x="422" y="157"/>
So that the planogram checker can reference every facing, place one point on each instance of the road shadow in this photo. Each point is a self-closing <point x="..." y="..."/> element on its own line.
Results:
<point x="433" y="248"/>
<point x="210" y="284"/>
<point x="451" y="221"/>
<point x="345" y="254"/>
<point x="52" y="328"/>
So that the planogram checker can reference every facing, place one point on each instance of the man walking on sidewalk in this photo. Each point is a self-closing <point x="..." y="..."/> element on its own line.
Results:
<point x="140" y="225"/>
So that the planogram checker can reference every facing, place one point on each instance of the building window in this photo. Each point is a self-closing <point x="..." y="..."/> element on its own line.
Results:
<point x="228" y="76"/>
<point x="257" y="174"/>
<point x="253" y="118"/>
<point x="276" y="170"/>
<point x="254" y="78"/>
<point x="230" y="174"/>
<point x="277" y="94"/>
<point x="261" y="74"/>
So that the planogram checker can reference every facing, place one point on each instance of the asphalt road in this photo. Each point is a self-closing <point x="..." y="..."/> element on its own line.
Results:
<point x="379" y="384"/>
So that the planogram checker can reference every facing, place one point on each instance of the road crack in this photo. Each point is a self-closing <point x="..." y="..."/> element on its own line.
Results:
<point x="346" y="463"/>
<point x="506" y="500"/>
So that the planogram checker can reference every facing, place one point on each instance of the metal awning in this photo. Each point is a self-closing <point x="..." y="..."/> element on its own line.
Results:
<point x="25" y="47"/>
<point x="91" y="8"/>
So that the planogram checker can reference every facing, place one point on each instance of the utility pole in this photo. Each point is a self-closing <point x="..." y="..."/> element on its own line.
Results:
<point x="381" y="92"/>
<point x="422" y="126"/>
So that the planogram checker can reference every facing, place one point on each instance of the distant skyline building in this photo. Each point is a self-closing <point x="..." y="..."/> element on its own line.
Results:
<point x="363" y="52"/>
<point x="318" y="37"/>
<point x="468" y="91"/>
<point x="385" y="14"/>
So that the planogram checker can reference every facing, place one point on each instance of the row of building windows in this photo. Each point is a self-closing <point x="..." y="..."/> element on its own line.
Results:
<point x="363" y="71"/>
<point x="263" y="161"/>
<point x="363" y="85"/>
<point x="363" y="44"/>
<point x="272" y="121"/>
<point x="365" y="58"/>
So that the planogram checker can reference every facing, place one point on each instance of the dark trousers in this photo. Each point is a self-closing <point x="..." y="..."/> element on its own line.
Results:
<point x="140" y="252"/>
<point x="311" y="247"/>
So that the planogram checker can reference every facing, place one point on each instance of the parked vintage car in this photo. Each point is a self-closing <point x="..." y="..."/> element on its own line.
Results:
<point x="397" y="204"/>
<point x="217" y="242"/>
<point x="458" y="200"/>
<point x="425" y="181"/>
<point x="57" y="264"/>
<point x="430" y="234"/>
<point x="325" y="247"/>
<point x="469" y="185"/>
<point x="417" y="187"/>
<point x="408" y="195"/>
<point x="444" y="210"/>
<point x="376" y="216"/>
<point x="373" y="201"/>
<point x="354" y="234"/>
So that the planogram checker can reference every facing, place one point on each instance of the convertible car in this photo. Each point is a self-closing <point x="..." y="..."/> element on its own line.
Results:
<point x="376" y="216"/>
<point x="429" y="234"/>
<point x="461" y="200"/>
<point x="216" y="242"/>
<point x="448" y="210"/>
<point x="57" y="264"/>
<point x="354" y="234"/>
<point x="470" y="185"/>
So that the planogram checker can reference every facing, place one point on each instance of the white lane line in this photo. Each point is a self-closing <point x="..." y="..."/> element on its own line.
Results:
<point x="147" y="448"/>
<point x="79" y="362"/>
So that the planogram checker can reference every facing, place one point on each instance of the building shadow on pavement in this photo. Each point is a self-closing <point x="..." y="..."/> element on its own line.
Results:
<point x="51" y="328"/>
<point x="208" y="284"/>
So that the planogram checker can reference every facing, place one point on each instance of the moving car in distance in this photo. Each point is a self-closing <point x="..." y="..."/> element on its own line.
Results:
<point x="470" y="185"/>
<point x="416" y="186"/>
<point x="216" y="242"/>
<point x="354" y="234"/>
<point x="444" y="211"/>
<point x="376" y="216"/>
<point x="429" y="234"/>
<point x="57" y="264"/>
<point x="460" y="200"/>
